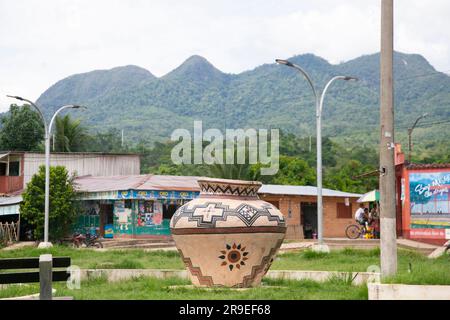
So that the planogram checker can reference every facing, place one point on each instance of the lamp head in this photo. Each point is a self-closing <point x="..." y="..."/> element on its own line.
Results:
<point x="347" y="78"/>
<point x="75" y="106"/>
<point x="285" y="62"/>
<point x="15" y="97"/>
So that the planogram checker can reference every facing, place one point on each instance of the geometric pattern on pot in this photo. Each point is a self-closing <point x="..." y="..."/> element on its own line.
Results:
<point x="260" y="269"/>
<point x="233" y="256"/>
<point x="208" y="187"/>
<point x="206" y="215"/>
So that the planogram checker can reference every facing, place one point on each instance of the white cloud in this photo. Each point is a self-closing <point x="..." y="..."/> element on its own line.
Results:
<point x="42" y="42"/>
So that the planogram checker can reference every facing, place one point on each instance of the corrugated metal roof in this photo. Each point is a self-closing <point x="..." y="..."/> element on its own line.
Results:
<point x="7" y="201"/>
<point x="186" y="183"/>
<point x="109" y="183"/>
<point x="178" y="183"/>
<point x="136" y="182"/>
<point x="74" y="153"/>
<point x="304" y="191"/>
<point x="428" y="166"/>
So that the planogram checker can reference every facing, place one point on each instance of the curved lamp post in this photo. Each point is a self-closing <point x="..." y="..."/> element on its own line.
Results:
<point x="410" y="130"/>
<point x="319" y="106"/>
<point x="48" y="129"/>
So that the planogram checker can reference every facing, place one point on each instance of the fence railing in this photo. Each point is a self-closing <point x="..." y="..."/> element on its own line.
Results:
<point x="9" y="232"/>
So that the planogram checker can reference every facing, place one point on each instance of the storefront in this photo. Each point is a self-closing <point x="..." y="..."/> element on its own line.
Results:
<point x="426" y="203"/>
<point x="147" y="213"/>
<point x="141" y="207"/>
<point x="423" y="200"/>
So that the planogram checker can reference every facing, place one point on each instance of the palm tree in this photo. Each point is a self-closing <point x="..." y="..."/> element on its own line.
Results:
<point x="70" y="135"/>
<point x="232" y="171"/>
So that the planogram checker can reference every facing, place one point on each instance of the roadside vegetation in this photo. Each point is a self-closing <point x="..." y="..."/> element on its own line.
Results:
<point x="175" y="289"/>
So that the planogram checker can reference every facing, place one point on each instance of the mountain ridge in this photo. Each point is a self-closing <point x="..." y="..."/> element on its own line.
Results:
<point x="270" y="95"/>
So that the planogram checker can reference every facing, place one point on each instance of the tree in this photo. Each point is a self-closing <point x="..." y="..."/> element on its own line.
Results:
<point x="344" y="177"/>
<point x="292" y="170"/>
<point x="109" y="141"/>
<point x="22" y="129"/>
<point x="70" y="135"/>
<point x="63" y="208"/>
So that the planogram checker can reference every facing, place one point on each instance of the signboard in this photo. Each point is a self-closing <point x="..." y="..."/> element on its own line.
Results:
<point x="123" y="217"/>
<point x="109" y="231"/>
<point x="156" y="194"/>
<point x="429" y="204"/>
<point x="149" y="214"/>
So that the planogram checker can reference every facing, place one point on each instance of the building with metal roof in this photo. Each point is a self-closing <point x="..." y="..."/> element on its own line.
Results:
<point x="146" y="203"/>
<point x="303" y="191"/>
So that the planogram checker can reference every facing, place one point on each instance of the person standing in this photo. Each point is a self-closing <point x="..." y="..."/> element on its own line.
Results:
<point x="374" y="217"/>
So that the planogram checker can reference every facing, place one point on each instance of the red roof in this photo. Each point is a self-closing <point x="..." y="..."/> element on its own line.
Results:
<point x="136" y="182"/>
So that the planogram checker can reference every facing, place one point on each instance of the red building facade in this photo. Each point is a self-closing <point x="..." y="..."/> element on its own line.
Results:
<point x="423" y="202"/>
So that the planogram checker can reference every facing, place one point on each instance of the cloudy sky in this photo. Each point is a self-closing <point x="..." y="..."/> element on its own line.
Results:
<point x="44" y="41"/>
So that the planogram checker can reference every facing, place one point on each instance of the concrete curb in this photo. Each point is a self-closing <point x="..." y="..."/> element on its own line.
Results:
<point x="378" y="291"/>
<point x="112" y="275"/>
<point x="357" y="278"/>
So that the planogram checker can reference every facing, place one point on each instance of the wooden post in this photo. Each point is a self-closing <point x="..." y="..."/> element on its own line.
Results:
<point x="45" y="276"/>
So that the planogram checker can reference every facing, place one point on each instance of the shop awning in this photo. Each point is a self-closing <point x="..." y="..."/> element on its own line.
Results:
<point x="10" y="205"/>
<point x="371" y="196"/>
<point x="3" y="156"/>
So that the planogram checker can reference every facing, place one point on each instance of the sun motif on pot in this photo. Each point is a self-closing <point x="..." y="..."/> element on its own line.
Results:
<point x="234" y="256"/>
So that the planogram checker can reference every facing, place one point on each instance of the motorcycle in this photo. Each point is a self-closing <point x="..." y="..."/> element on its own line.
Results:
<point x="86" y="240"/>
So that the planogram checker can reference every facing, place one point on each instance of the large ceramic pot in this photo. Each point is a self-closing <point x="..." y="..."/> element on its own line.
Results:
<point x="227" y="236"/>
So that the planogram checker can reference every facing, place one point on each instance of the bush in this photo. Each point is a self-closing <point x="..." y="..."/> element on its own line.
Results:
<point x="62" y="210"/>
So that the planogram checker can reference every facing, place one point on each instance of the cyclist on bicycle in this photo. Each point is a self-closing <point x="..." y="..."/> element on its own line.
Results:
<point x="359" y="214"/>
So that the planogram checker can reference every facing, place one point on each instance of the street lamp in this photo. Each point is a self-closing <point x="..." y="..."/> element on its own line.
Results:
<point x="319" y="104"/>
<point x="47" y="129"/>
<point x="410" y="130"/>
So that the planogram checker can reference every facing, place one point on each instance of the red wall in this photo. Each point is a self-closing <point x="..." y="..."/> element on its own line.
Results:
<point x="429" y="235"/>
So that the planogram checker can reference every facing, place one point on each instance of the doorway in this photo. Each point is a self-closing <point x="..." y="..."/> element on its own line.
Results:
<point x="106" y="216"/>
<point x="309" y="219"/>
<point x="169" y="210"/>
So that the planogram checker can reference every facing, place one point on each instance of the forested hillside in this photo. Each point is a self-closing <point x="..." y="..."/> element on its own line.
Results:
<point x="148" y="108"/>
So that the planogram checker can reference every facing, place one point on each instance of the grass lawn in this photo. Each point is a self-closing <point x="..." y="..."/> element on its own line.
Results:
<point x="110" y="259"/>
<point x="413" y="268"/>
<point x="156" y="289"/>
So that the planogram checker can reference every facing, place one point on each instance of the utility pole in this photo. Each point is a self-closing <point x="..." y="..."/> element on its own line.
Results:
<point x="388" y="237"/>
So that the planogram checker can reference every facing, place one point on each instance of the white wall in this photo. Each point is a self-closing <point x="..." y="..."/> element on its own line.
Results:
<point x="84" y="164"/>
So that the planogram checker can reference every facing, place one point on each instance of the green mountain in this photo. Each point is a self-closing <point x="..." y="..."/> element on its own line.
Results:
<point x="270" y="96"/>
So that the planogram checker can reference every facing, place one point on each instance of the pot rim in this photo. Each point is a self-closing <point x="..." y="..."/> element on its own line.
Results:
<point x="231" y="181"/>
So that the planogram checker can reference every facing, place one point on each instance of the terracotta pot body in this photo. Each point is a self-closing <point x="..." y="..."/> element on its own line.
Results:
<point x="228" y="236"/>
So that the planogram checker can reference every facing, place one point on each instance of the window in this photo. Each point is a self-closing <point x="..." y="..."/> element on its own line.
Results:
<point x="2" y="169"/>
<point x="343" y="211"/>
<point x="14" y="168"/>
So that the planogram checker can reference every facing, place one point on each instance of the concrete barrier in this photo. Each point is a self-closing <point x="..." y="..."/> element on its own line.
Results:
<point x="125" y="274"/>
<point x="378" y="291"/>
<point x="357" y="278"/>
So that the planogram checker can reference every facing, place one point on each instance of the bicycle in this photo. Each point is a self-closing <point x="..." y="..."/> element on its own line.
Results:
<point x="355" y="231"/>
<point x="86" y="240"/>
